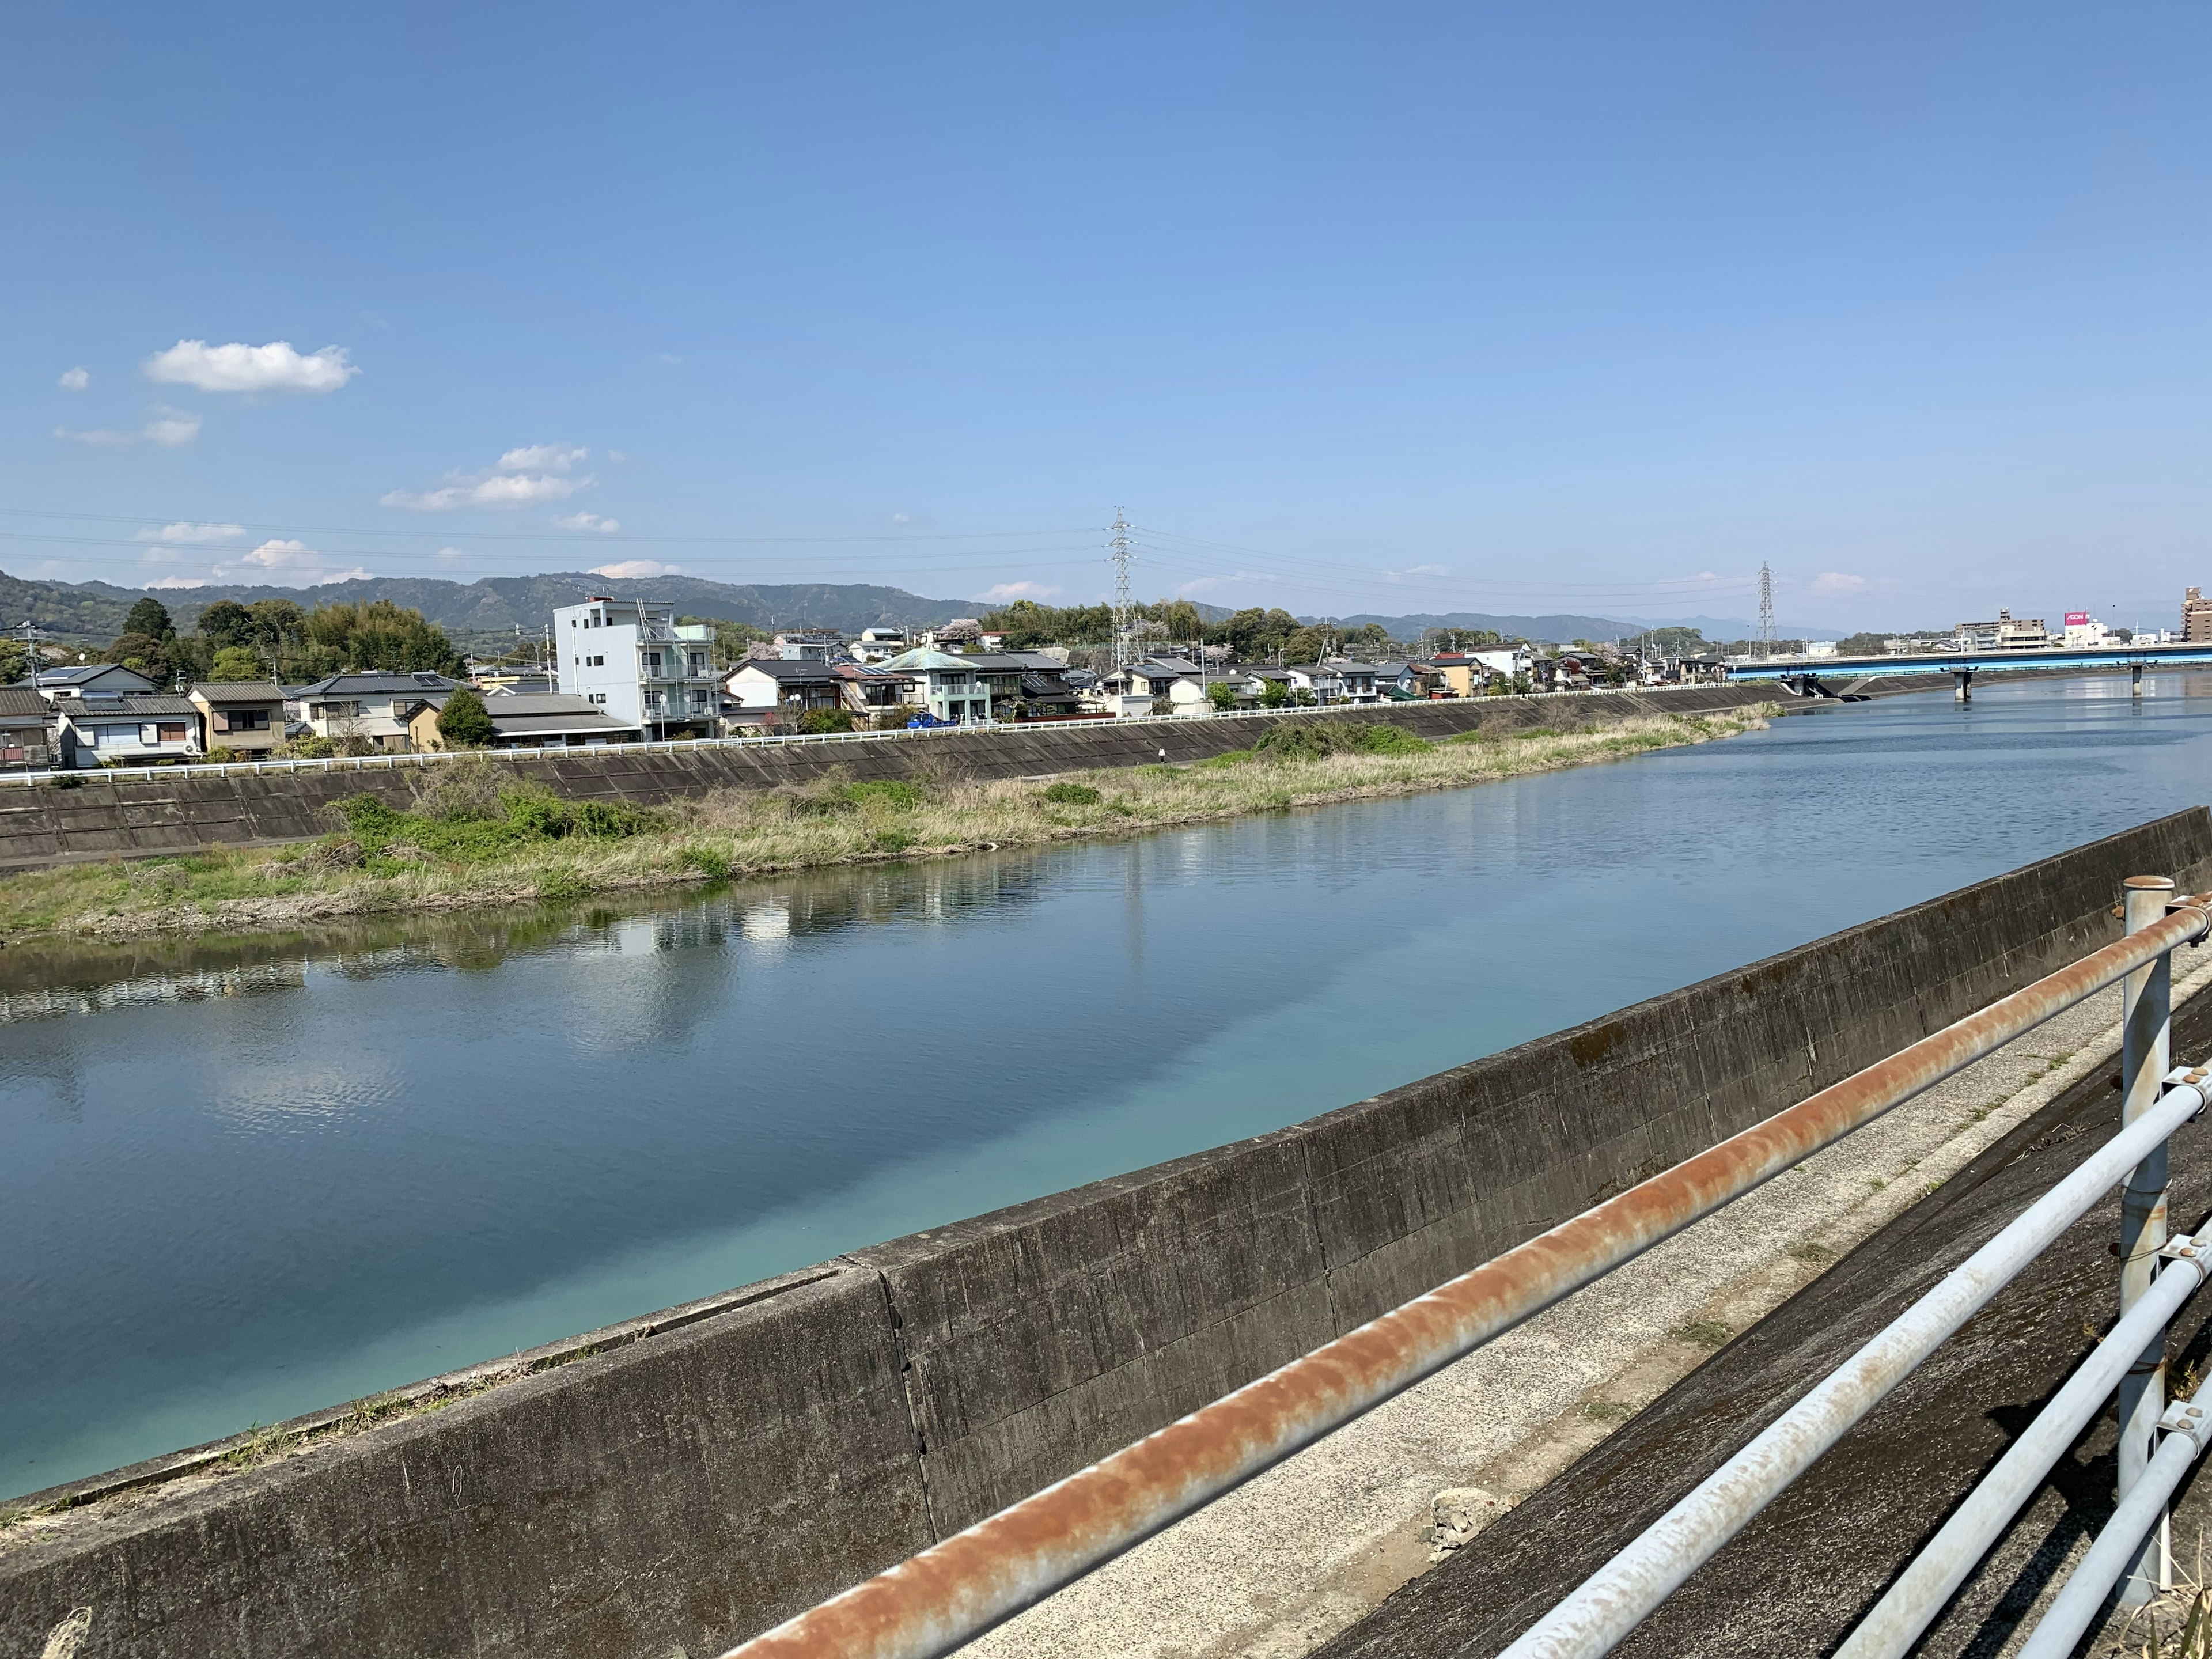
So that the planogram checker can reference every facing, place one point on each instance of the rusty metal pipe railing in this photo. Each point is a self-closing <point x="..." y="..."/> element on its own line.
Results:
<point x="957" y="1589"/>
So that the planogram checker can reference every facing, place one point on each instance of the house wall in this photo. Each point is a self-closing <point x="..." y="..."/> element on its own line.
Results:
<point x="108" y="817"/>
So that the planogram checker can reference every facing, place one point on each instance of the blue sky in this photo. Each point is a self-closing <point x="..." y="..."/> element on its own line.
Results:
<point x="1517" y="308"/>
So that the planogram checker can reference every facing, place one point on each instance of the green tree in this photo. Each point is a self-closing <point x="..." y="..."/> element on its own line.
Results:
<point x="149" y="616"/>
<point x="1862" y="645"/>
<point x="146" y="653"/>
<point x="1221" y="694"/>
<point x="1274" y="693"/>
<point x="464" y="722"/>
<point x="227" y="624"/>
<point x="234" y="662"/>
<point x="375" y="634"/>
<point x="16" y="660"/>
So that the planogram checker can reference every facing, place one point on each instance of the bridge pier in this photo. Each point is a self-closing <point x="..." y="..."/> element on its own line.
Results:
<point x="2135" y="679"/>
<point x="1964" y="676"/>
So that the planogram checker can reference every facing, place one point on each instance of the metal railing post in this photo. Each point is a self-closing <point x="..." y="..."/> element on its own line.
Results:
<point x="2145" y="1030"/>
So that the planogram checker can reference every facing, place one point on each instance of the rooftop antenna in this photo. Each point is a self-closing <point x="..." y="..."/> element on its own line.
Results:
<point x="1123" y="605"/>
<point x="1766" y="609"/>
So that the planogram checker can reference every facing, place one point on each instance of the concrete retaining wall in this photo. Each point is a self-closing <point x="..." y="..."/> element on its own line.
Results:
<point x="701" y="1483"/>
<point x="103" y="817"/>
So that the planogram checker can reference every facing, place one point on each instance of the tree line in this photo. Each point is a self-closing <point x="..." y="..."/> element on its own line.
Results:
<point x="275" y="639"/>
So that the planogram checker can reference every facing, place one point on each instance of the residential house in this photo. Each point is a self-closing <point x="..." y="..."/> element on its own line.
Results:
<point x="491" y="677"/>
<point x="1361" y="681"/>
<point x="23" y="717"/>
<point x="812" y="647"/>
<point x="2005" y="633"/>
<point x="765" y="692"/>
<point x="244" y="716"/>
<point x="373" y="707"/>
<point x="91" y="679"/>
<point x="530" y="720"/>
<point x="879" y="644"/>
<point x="1321" y="679"/>
<point x="1157" y="686"/>
<point x="129" y="731"/>
<point x="947" y="687"/>
<point x="872" y="691"/>
<point x="632" y="659"/>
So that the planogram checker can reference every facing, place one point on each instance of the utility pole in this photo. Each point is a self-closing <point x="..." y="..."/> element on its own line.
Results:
<point x="1124" y="608"/>
<point x="1766" y="609"/>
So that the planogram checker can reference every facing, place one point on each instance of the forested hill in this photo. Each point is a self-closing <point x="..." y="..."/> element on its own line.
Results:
<point x="93" y="612"/>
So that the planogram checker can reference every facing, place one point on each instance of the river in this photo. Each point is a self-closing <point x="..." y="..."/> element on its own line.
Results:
<point x="243" y="1179"/>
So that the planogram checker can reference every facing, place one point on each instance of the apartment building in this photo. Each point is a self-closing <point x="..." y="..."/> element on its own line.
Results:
<point x="632" y="659"/>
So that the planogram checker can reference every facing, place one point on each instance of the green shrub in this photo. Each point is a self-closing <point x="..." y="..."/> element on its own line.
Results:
<point x="464" y="722"/>
<point x="897" y="793"/>
<point x="816" y="721"/>
<point x="1071" y="795"/>
<point x="893" y="841"/>
<point x="370" y="819"/>
<point x="1306" y="740"/>
<point x="1221" y="694"/>
<point x="714" y="865"/>
<point x="1233" y="758"/>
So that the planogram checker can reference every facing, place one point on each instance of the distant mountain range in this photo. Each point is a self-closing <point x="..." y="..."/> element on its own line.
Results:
<point x="85" y="613"/>
<point x="1555" y="629"/>
<point x="91" y="613"/>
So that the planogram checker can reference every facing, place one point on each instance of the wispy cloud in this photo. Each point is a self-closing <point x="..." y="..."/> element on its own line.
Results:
<point x="240" y="368"/>
<point x="587" y="521"/>
<point x="631" y="570"/>
<point x="285" y="561"/>
<point x="187" y="534"/>
<point x="169" y="428"/>
<point x="1417" y="570"/>
<point x="167" y="582"/>
<point x="1832" y="584"/>
<point x="1007" y="593"/>
<point x="75" y="379"/>
<point x="521" y="477"/>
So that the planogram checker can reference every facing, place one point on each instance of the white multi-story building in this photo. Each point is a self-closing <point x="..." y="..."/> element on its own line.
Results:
<point x="631" y="658"/>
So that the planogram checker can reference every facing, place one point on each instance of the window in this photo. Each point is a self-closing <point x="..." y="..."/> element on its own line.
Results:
<point x="169" y="732"/>
<point x="653" y="664"/>
<point x="599" y="697"/>
<point x="698" y="660"/>
<point x="247" y="719"/>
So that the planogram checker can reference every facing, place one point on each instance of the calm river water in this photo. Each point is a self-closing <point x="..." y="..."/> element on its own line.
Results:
<point x="243" y="1180"/>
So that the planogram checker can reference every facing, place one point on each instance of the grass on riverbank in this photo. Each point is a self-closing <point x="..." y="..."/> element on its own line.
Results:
<point x="473" y="838"/>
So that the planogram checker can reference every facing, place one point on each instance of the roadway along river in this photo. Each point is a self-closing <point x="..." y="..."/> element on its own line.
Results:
<point x="244" y="1182"/>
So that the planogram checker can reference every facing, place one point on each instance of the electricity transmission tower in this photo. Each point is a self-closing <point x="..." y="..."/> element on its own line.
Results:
<point x="1766" y="609"/>
<point x="1124" y="608"/>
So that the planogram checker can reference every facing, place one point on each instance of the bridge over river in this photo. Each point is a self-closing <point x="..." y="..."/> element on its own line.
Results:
<point x="1843" y="676"/>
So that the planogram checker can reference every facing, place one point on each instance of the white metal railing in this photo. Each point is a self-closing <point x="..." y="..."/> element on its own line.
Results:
<point x="2157" y="1446"/>
<point x="433" y="756"/>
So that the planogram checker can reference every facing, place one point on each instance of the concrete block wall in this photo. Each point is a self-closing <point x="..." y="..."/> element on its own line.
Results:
<point x="104" y="817"/>
<point x="703" y="1483"/>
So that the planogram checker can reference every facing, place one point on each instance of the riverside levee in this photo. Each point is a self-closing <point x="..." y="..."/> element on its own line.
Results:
<point x="687" y="1480"/>
<point x="103" y="816"/>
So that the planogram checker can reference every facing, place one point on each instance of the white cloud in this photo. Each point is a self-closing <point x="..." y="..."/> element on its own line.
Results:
<point x="238" y="367"/>
<point x="1006" y="593"/>
<point x="184" y="532"/>
<point x="177" y="581"/>
<point x="75" y="379"/>
<point x="521" y="477"/>
<point x="450" y="555"/>
<point x="900" y="517"/>
<point x="615" y="455"/>
<point x="542" y="458"/>
<point x="169" y="429"/>
<point x="587" y="521"/>
<point x="1829" y="584"/>
<point x="630" y="570"/>
<point x="288" y="561"/>
<point x="1419" y="570"/>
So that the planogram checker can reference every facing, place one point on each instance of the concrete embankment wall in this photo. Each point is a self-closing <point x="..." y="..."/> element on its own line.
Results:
<point x="687" y="1481"/>
<point x="106" y="816"/>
